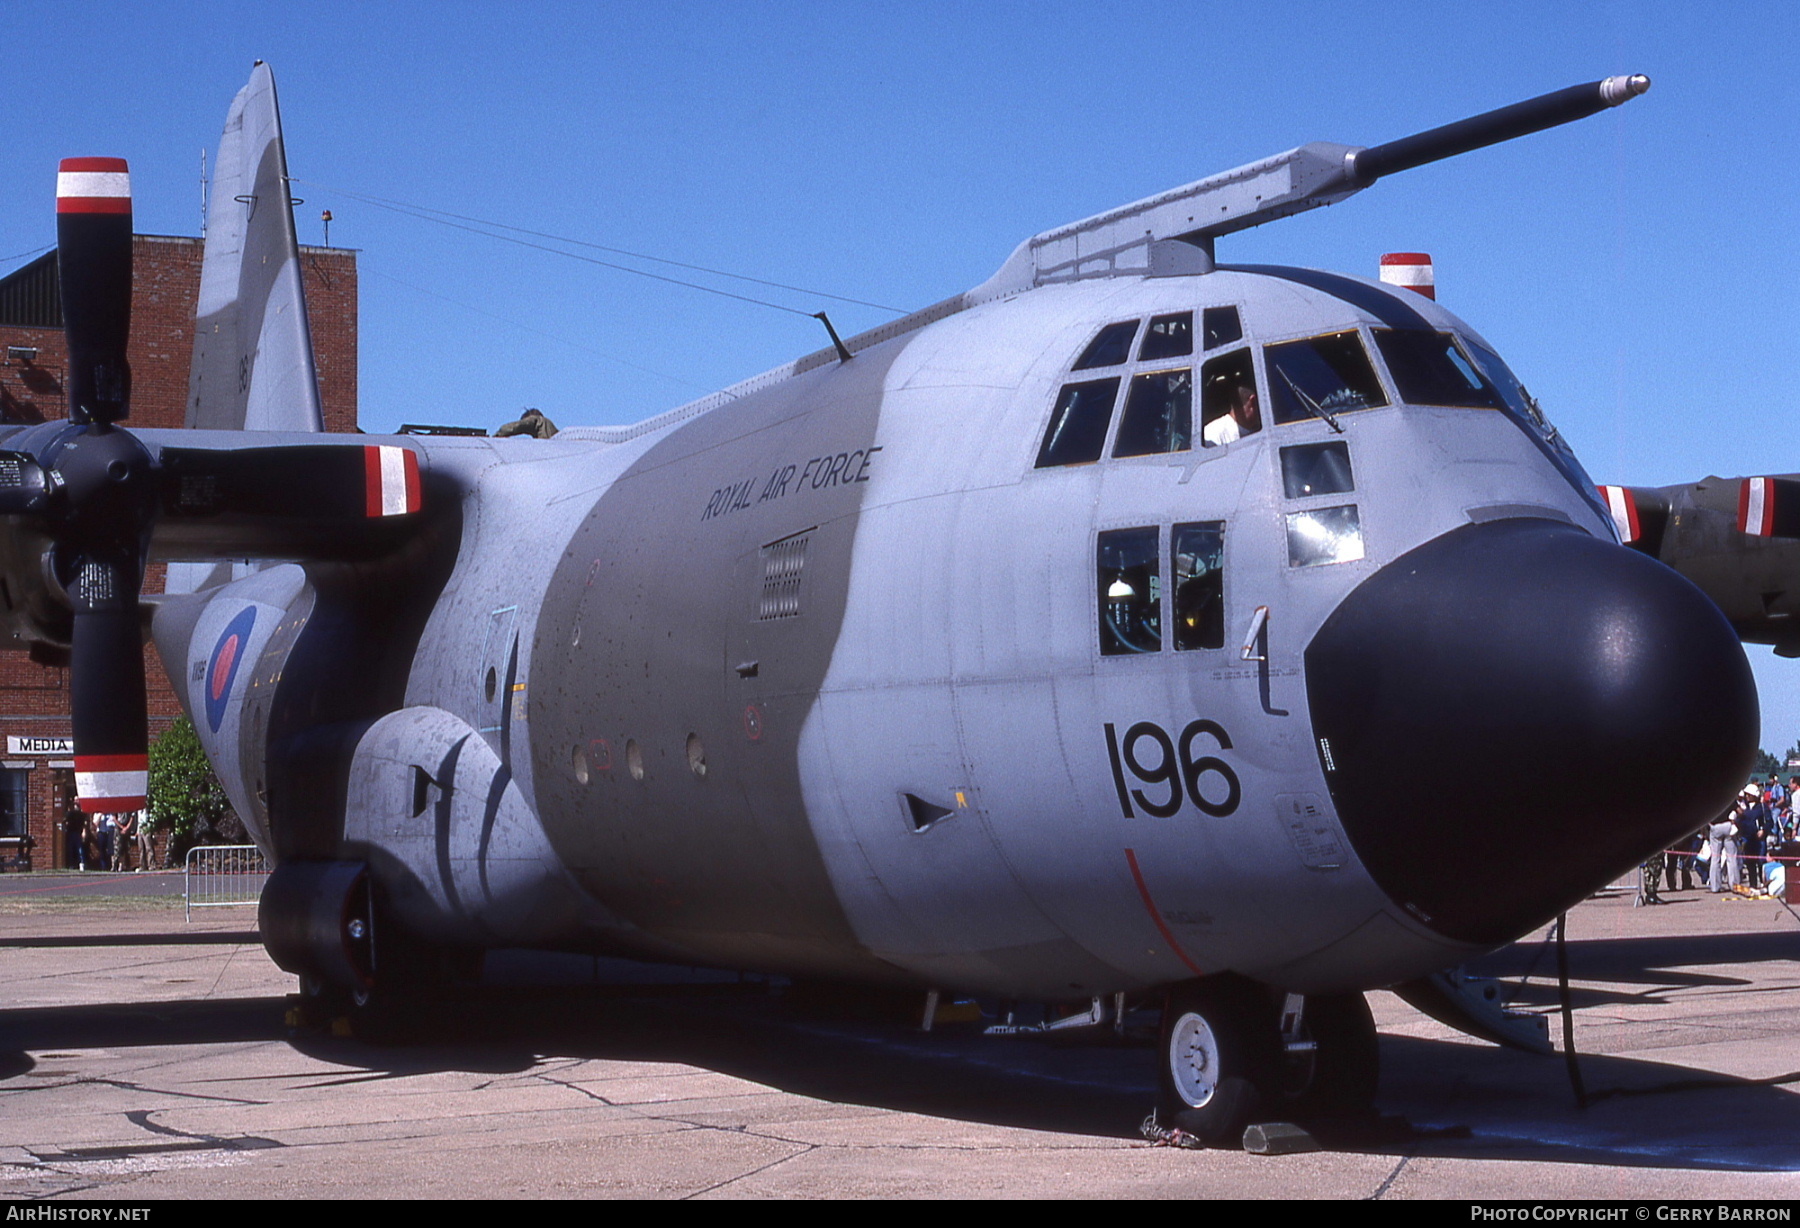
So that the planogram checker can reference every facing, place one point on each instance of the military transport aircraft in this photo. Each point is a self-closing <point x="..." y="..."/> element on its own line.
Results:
<point x="1100" y="634"/>
<point x="1737" y="538"/>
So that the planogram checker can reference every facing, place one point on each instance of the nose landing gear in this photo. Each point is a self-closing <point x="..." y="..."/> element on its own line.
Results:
<point x="1227" y="1060"/>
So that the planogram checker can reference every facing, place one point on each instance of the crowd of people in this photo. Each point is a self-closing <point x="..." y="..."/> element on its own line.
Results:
<point x="107" y="841"/>
<point x="1746" y="850"/>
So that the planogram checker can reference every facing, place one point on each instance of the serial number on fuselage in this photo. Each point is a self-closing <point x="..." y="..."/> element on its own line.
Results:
<point x="817" y="473"/>
<point x="1175" y="769"/>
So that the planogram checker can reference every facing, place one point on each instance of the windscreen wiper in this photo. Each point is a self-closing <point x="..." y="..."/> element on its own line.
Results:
<point x="1312" y="407"/>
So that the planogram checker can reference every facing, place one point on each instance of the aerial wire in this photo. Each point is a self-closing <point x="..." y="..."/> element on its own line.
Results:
<point x="474" y="225"/>
<point x="36" y="251"/>
<point x="512" y="323"/>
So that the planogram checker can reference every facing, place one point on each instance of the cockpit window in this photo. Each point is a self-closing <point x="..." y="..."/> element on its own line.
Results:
<point x="1513" y="393"/>
<point x="1501" y="376"/>
<point x="1077" y="432"/>
<point x="1169" y="336"/>
<point x="1220" y="326"/>
<point x="1110" y="348"/>
<point x="1316" y="469"/>
<point x="1229" y="407"/>
<point x="1159" y="415"/>
<point x="1321" y="377"/>
<point x="1198" y="552"/>
<point x="1429" y="369"/>
<point x="1130" y="591"/>
<point x="1324" y="535"/>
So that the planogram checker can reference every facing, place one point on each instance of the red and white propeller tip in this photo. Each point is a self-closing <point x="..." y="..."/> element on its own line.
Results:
<point x="93" y="185"/>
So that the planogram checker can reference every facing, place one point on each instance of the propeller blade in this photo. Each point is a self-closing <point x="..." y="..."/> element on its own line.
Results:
<point x="1769" y="507"/>
<point x="106" y="680"/>
<point x="107" y="483"/>
<point x="1640" y="514"/>
<point x="318" y="483"/>
<point x="93" y="240"/>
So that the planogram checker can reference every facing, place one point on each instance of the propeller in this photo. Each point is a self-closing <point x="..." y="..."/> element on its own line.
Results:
<point x="93" y="485"/>
<point x="94" y="492"/>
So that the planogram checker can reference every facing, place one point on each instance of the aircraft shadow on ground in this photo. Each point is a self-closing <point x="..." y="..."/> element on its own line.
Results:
<point x="1439" y="1098"/>
<point x="201" y="938"/>
<point x="1518" y="1106"/>
<point x="1634" y="970"/>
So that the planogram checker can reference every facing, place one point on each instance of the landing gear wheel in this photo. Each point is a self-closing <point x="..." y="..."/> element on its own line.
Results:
<point x="318" y="1006"/>
<point x="1220" y="1058"/>
<point x="329" y="1008"/>
<point x="1339" y="1078"/>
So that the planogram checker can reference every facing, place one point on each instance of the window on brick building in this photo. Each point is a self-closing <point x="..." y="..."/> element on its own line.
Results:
<point x="14" y="792"/>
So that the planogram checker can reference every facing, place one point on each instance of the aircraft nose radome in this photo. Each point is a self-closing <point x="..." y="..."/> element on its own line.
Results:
<point x="1515" y="712"/>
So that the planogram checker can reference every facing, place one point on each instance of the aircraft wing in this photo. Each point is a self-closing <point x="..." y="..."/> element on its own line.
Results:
<point x="1737" y="539"/>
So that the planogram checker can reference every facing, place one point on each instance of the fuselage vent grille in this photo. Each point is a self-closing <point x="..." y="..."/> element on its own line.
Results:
<point x="783" y="561"/>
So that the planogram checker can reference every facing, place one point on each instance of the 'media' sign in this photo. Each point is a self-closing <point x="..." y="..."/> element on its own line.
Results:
<point x="40" y="746"/>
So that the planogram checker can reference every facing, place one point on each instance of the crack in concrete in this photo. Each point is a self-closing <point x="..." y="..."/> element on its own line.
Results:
<point x="1388" y="1182"/>
<point x="749" y="1132"/>
<point x="776" y="1163"/>
<point x="126" y="1085"/>
<point x="189" y="1142"/>
<point x="223" y="968"/>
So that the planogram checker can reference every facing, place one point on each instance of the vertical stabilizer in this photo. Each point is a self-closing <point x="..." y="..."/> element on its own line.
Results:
<point x="253" y="356"/>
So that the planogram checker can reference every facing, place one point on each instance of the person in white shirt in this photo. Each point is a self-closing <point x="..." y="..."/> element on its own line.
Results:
<point x="1242" y="416"/>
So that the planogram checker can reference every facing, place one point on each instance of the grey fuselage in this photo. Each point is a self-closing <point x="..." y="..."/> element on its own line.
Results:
<point x="819" y="681"/>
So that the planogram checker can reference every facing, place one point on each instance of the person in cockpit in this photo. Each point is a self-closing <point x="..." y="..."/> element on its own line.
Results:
<point x="1231" y="396"/>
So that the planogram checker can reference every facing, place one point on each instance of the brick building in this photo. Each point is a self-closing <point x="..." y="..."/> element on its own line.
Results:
<point x="37" y="778"/>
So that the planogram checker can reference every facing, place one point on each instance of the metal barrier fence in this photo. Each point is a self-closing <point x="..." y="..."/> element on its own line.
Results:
<point x="224" y="875"/>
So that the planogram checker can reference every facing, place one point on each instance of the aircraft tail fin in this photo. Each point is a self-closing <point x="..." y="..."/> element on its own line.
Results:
<point x="253" y="356"/>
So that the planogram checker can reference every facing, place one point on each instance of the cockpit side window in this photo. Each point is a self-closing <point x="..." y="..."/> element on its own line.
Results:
<point x="1429" y="369"/>
<point x="1198" y="554"/>
<point x="1229" y="408"/>
<point x="1316" y="469"/>
<point x="1170" y="336"/>
<point x="1500" y="375"/>
<point x="1110" y="348"/>
<point x="1130" y="591"/>
<point x="1530" y="415"/>
<point x="1220" y="326"/>
<point x="1077" y="432"/>
<point x="1324" y="535"/>
<point x="1517" y="399"/>
<point x="1321" y="377"/>
<point x="1159" y="414"/>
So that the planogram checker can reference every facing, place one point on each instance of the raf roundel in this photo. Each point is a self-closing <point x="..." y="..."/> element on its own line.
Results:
<point x="222" y="667"/>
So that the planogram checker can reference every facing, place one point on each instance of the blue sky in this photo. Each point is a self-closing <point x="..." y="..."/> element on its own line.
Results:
<point x="1639" y="270"/>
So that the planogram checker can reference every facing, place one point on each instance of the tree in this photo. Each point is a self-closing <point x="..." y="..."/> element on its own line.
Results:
<point x="186" y="799"/>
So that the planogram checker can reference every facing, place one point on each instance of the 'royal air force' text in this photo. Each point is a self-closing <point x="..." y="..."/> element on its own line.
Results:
<point x="818" y="473"/>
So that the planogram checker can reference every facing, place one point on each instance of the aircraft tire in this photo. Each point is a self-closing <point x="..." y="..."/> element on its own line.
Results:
<point x="1344" y="1071"/>
<point x="371" y="1014"/>
<point x="1220" y="1058"/>
<point x="318" y="1005"/>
